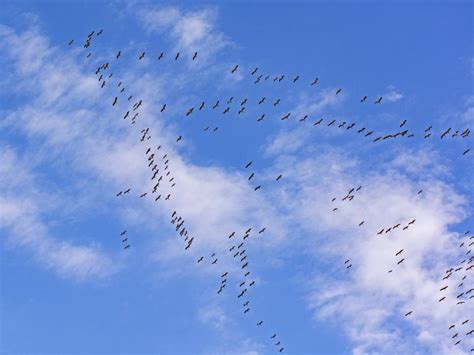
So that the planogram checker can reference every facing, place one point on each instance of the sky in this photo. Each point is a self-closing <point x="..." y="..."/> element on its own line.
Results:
<point x="69" y="287"/>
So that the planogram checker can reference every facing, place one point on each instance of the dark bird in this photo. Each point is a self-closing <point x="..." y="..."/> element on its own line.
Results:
<point x="466" y="151"/>
<point x="296" y="78"/>
<point x="201" y="106"/>
<point x="401" y="261"/>
<point x="161" y="56"/>
<point x="261" y="100"/>
<point x="363" y="98"/>
<point x="379" y="100"/>
<point x="124" y="240"/>
<point x="338" y="91"/>
<point x="261" y="118"/>
<point x="143" y="195"/>
<point x="115" y="101"/>
<point x="126" y="246"/>
<point x="445" y="133"/>
<point x="251" y="176"/>
<point x="443" y="288"/>
<point x="176" y="56"/>
<point x="286" y="116"/>
<point x="314" y="82"/>
<point x="118" y="54"/>
<point x="200" y="259"/>
<point x="273" y="336"/>
<point x="163" y="108"/>
<point x="71" y="42"/>
<point x="399" y="252"/>
<point x="408" y="313"/>
<point x="195" y="55"/>
<point x="216" y="104"/>
<point x="361" y="223"/>
<point x="248" y="164"/>
<point x="318" y="122"/>
<point x="179" y="138"/>
<point x="141" y="56"/>
<point x="276" y="102"/>
<point x="119" y="194"/>
<point x="260" y="323"/>
<point x="279" y="177"/>
<point x="234" y="69"/>
<point x="257" y="188"/>
<point x="254" y="71"/>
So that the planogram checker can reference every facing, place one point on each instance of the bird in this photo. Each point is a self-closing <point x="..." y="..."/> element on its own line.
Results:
<point x="251" y="176"/>
<point x="279" y="177"/>
<point x="163" y="108"/>
<point x="261" y="100"/>
<point x="361" y="223"/>
<point x="286" y="116"/>
<point x="127" y="246"/>
<point x="466" y="151"/>
<point x="71" y="42"/>
<point x="296" y="78"/>
<point x="273" y="336"/>
<point x="141" y="56"/>
<point x="401" y="261"/>
<point x="399" y="252"/>
<point x="248" y="164"/>
<point x="443" y="288"/>
<point x="234" y="69"/>
<point x="195" y="55"/>
<point x="338" y="91"/>
<point x="314" y="82"/>
<point x="176" y="56"/>
<point x="363" y="98"/>
<point x="200" y="259"/>
<point x="257" y="187"/>
<point x="254" y="71"/>
<point x="260" y="323"/>
<point x="179" y="138"/>
<point x="161" y="56"/>
<point x="408" y="313"/>
<point x="379" y="100"/>
<point x="115" y="101"/>
<point x="445" y="133"/>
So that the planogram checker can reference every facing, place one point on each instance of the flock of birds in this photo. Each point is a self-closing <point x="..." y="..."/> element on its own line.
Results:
<point x="161" y="175"/>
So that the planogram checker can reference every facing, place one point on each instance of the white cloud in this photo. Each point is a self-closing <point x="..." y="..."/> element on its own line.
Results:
<point x="22" y="208"/>
<point x="367" y="301"/>
<point x="392" y="95"/>
<point x="191" y="30"/>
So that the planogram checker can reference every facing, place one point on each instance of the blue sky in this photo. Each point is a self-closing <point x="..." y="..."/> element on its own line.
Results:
<point x="67" y="285"/>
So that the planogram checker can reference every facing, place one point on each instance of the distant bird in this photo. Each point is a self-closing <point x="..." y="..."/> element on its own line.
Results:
<point x="363" y="98"/>
<point x="399" y="252"/>
<point x="141" y="56"/>
<point x="126" y="247"/>
<point x="179" y="138"/>
<point x="314" y="82"/>
<point x="248" y="164"/>
<point x="118" y="54"/>
<point x="338" y="91"/>
<point x="379" y="100"/>
<point x="195" y="55"/>
<point x="251" y="176"/>
<point x="401" y="261"/>
<point x="408" y="313"/>
<point x="234" y="69"/>
<point x="161" y="56"/>
<point x="254" y="71"/>
<point x="261" y="230"/>
<point x="200" y="259"/>
<point x="279" y="177"/>
<point x="176" y="56"/>
<point x="445" y="133"/>
<point x="260" y="323"/>
<point x="261" y="100"/>
<point x="257" y="188"/>
<point x="361" y="223"/>
<point x="163" y="108"/>
<point x="71" y="42"/>
<point x="466" y="151"/>
<point x="115" y="101"/>
<point x="296" y="78"/>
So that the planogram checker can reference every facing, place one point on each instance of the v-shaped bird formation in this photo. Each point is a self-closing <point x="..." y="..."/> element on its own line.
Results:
<point x="164" y="185"/>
